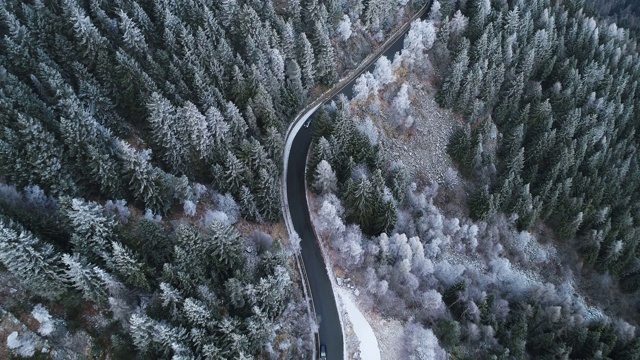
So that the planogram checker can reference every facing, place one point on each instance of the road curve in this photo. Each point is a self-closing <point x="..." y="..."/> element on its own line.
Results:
<point x="295" y="207"/>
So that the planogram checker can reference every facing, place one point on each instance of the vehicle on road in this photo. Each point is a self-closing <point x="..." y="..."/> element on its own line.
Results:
<point x="323" y="352"/>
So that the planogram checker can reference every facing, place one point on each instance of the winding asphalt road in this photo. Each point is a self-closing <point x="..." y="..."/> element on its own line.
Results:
<point x="330" y="329"/>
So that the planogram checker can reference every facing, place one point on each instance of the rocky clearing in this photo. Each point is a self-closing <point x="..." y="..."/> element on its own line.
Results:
<point x="424" y="149"/>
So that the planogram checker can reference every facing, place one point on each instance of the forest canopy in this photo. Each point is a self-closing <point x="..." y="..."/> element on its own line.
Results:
<point x="140" y="143"/>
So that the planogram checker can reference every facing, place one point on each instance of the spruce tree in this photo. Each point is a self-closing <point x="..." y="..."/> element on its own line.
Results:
<point x="267" y="197"/>
<point x="36" y="264"/>
<point x="85" y="278"/>
<point x="357" y="201"/>
<point x="295" y="95"/>
<point x="248" y="205"/>
<point x="92" y="229"/>
<point x="307" y="61"/>
<point x="124" y="262"/>
<point x="235" y="173"/>
<point x="325" y="180"/>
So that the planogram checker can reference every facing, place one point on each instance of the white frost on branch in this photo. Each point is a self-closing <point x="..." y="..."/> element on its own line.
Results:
<point x="189" y="208"/>
<point x="422" y="344"/>
<point x="344" y="28"/>
<point x="369" y="129"/>
<point x="44" y="318"/>
<point x="383" y="71"/>
<point x="420" y="38"/>
<point x="365" y="85"/>
<point x="401" y="107"/>
<point x="23" y="346"/>
<point x="329" y="222"/>
<point x="215" y="216"/>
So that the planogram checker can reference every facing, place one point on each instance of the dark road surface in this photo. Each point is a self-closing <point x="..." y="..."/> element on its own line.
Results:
<point x="330" y="330"/>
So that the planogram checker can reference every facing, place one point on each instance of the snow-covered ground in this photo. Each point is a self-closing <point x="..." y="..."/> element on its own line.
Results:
<point x="368" y="347"/>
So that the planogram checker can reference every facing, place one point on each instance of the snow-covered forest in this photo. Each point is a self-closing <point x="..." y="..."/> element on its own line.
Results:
<point x="540" y="259"/>
<point x="625" y="13"/>
<point x="140" y="164"/>
<point x="141" y="156"/>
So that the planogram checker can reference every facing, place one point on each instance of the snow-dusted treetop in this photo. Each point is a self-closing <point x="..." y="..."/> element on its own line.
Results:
<point x="344" y="28"/>
<point x="384" y="71"/>
<point x="420" y="38"/>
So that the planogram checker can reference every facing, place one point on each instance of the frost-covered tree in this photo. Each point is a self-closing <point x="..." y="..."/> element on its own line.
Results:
<point x="344" y="28"/>
<point x="118" y="208"/>
<point x="369" y="129"/>
<point x="85" y="278"/>
<point x="378" y="14"/>
<point x="235" y="173"/>
<point x="294" y="243"/>
<point x="132" y="36"/>
<point x="146" y="183"/>
<point x="41" y="314"/>
<point x="295" y="91"/>
<point x="350" y="246"/>
<point x="92" y="228"/>
<point x="34" y="263"/>
<point x="366" y="85"/>
<point x="325" y="56"/>
<point x="227" y="204"/>
<point x="401" y="108"/>
<point x="422" y="344"/>
<point x="330" y="222"/>
<point x="306" y="60"/>
<point x="125" y="263"/>
<point x="384" y="71"/>
<point x="325" y="178"/>
<point x="189" y="208"/>
<point x="432" y="304"/>
<point x="248" y="205"/>
<point x="148" y="334"/>
<point x="419" y="39"/>
<point x="434" y="11"/>
<point x="267" y="198"/>
<point x="23" y="346"/>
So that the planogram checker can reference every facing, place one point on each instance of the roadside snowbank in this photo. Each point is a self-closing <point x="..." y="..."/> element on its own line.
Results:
<point x="369" y="349"/>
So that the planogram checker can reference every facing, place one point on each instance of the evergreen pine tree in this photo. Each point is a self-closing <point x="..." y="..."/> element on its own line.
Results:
<point x="267" y="197"/>
<point x="307" y="61"/>
<point x="248" y="205"/>
<point x="85" y="278"/>
<point x="325" y="60"/>
<point x="92" y="229"/>
<point x="124" y="262"/>
<point x="163" y="120"/>
<point x="325" y="180"/>
<point x="34" y="263"/>
<point x="235" y="173"/>
<point x="295" y="93"/>
<point x="357" y="196"/>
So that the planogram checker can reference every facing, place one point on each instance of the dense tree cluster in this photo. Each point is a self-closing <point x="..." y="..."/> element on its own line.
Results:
<point x="205" y="291"/>
<point x="478" y="283"/>
<point x="114" y="109"/>
<point x="625" y="13"/>
<point x="549" y="94"/>
<point x="367" y="191"/>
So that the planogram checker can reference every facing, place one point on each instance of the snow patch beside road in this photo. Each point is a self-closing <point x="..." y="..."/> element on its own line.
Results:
<point x="369" y="349"/>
